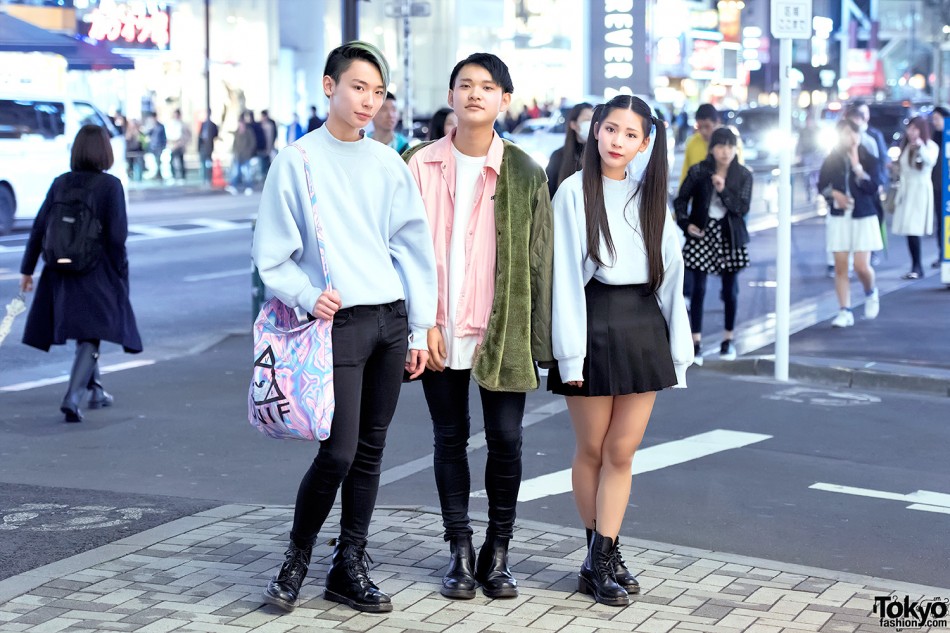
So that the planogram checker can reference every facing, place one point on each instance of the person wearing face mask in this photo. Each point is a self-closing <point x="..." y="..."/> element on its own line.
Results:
<point x="578" y="127"/>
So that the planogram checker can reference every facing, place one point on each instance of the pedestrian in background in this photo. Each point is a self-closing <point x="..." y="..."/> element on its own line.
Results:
<point x="872" y="140"/>
<point x="620" y="328"/>
<point x="91" y="305"/>
<point x="697" y="145"/>
<point x="314" y="121"/>
<point x="566" y="160"/>
<point x="179" y="137"/>
<point x="269" y="128"/>
<point x="494" y="289"/>
<point x="379" y="254"/>
<point x="207" y="135"/>
<point x="938" y="119"/>
<point x="135" y="141"/>
<point x="294" y="130"/>
<point x="243" y="150"/>
<point x="443" y="123"/>
<point x="385" y="123"/>
<point x="914" y="206"/>
<point x="711" y="208"/>
<point x="849" y="182"/>
<point x="157" y="141"/>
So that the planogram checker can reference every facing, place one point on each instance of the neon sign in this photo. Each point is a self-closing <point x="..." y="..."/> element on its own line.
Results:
<point x="134" y="25"/>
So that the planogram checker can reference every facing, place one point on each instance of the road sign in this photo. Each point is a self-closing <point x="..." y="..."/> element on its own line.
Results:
<point x="791" y="19"/>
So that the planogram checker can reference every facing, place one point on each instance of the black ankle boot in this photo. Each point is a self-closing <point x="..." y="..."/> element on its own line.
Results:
<point x="99" y="398"/>
<point x="83" y="366"/>
<point x="624" y="578"/>
<point x="492" y="570"/>
<point x="283" y="590"/>
<point x="348" y="581"/>
<point x="598" y="579"/>
<point x="459" y="580"/>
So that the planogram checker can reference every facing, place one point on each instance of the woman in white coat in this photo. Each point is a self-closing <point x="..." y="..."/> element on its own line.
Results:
<point x="914" y="207"/>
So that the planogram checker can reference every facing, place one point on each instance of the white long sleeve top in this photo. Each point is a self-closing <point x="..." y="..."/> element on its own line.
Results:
<point x="378" y="243"/>
<point x="573" y="269"/>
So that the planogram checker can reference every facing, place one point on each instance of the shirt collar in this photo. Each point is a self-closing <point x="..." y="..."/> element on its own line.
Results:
<point x="442" y="152"/>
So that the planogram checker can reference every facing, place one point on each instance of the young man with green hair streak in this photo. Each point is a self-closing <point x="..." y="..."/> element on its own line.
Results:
<point x="382" y="304"/>
<point x="490" y="215"/>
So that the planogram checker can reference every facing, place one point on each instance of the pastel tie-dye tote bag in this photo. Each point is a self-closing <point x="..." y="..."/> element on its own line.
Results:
<point x="291" y="393"/>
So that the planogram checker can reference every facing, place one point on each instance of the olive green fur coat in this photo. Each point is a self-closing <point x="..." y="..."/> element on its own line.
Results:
<point x="519" y="328"/>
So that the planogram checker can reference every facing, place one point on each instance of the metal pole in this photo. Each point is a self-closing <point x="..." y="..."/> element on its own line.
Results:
<point x="208" y="58"/>
<point x="351" y="20"/>
<point x="783" y="262"/>
<point x="407" y="66"/>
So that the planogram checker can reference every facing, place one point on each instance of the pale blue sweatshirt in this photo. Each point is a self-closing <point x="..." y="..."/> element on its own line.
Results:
<point x="378" y="244"/>
<point x="573" y="269"/>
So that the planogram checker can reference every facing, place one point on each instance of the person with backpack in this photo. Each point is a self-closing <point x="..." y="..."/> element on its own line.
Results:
<point x="83" y="291"/>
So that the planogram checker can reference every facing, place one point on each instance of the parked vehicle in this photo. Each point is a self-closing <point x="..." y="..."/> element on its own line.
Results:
<point x="762" y="141"/>
<point x="36" y="135"/>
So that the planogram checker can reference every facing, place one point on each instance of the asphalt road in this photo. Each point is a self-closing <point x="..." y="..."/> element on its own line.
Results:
<point x="179" y="427"/>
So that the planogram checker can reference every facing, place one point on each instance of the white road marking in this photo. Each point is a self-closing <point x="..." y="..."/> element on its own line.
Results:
<point x="108" y="369"/>
<point x="220" y="275"/>
<point x="475" y="442"/>
<point x="647" y="460"/>
<point x="925" y="500"/>
<point x="152" y="231"/>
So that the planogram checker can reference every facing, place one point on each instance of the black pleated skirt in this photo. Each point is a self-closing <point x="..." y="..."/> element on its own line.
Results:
<point x="628" y="344"/>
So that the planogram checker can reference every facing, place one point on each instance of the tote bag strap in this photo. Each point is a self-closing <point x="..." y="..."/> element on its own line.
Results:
<point x="316" y="216"/>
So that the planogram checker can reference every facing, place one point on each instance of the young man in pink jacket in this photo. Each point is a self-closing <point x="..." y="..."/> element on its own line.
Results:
<point x="490" y="215"/>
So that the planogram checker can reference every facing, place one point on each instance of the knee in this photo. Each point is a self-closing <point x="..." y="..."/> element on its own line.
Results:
<point x="620" y="459"/>
<point x="862" y="267"/>
<point x="504" y="441"/>
<point x="333" y="466"/>
<point x="451" y="440"/>
<point x="588" y="455"/>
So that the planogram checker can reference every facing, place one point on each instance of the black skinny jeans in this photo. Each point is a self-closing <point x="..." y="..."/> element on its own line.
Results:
<point x="729" y="296"/>
<point x="913" y="245"/>
<point x="369" y="354"/>
<point x="447" y="395"/>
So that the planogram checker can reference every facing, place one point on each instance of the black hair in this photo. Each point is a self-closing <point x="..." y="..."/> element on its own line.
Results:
<point x="722" y="136"/>
<point x="845" y="122"/>
<point x="492" y="63"/>
<point x="652" y="189"/>
<point x="942" y="111"/>
<point x="707" y="112"/>
<point x="437" y="123"/>
<point x="341" y="57"/>
<point x="92" y="150"/>
<point x="390" y="96"/>
<point x="923" y="128"/>
<point x="568" y="166"/>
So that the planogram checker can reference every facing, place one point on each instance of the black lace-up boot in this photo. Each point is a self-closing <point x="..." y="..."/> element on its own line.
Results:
<point x="492" y="570"/>
<point x="459" y="580"/>
<point x="598" y="579"/>
<point x="284" y="589"/>
<point x="624" y="578"/>
<point x="348" y="580"/>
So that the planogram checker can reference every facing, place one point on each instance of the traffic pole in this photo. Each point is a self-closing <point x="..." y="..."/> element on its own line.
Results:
<point x="783" y="261"/>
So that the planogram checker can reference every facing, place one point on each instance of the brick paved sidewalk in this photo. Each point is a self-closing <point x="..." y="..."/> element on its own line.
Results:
<point x="205" y="573"/>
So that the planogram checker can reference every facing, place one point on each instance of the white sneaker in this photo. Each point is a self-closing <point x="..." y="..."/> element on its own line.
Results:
<point x="697" y="356"/>
<point x="845" y="318"/>
<point x="872" y="305"/>
<point x="727" y="351"/>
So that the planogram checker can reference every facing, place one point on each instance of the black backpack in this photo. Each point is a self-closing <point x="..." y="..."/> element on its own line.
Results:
<point x="72" y="242"/>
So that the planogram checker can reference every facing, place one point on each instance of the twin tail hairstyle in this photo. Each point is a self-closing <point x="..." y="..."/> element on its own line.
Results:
<point x="652" y="189"/>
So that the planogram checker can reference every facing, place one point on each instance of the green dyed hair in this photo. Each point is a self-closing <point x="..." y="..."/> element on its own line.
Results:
<point x="341" y="57"/>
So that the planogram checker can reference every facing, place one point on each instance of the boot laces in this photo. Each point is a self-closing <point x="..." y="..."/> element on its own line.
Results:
<point x="615" y="557"/>
<point x="295" y="565"/>
<point x="357" y="561"/>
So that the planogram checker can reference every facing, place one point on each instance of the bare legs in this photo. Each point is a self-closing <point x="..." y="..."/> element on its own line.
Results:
<point x="608" y="432"/>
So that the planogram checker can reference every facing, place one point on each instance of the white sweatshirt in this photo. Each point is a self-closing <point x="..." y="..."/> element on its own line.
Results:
<point x="378" y="243"/>
<point x="573" y="269"/>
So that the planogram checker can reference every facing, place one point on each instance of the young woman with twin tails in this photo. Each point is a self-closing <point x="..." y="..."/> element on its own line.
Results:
<point x="620" y="328"/>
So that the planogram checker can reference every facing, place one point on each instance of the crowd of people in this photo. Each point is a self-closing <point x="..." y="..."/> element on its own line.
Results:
<point x="474" y="265"/>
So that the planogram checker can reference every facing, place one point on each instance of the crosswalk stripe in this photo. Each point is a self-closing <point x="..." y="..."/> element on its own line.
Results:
<point x="647" y="460"/>
<point x="108" y="369"/>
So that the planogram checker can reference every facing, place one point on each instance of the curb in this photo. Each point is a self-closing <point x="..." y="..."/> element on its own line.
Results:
<point x="171" y="192"/>
<point x="844" y="373"/>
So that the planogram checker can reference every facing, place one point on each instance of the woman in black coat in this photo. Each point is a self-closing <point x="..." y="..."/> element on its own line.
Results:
<point x="565" y="161"/>
<point x="92" y="304"/>
<point x="710" y="208"/>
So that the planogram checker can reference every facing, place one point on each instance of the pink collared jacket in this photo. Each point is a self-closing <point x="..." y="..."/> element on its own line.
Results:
<point x="433" y="167"/>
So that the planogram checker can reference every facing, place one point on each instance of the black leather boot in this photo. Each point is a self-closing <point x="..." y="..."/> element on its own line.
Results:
<point x="492" y="570"/>
<point x="99" y="398"/>
<point x="83" y="365"/>
<point x="284" y="589"/>
<point x="598" y="580"/>
<point x="459" y="580"/>
<point x="624" y="578"/>
<point x="348" y="581"/>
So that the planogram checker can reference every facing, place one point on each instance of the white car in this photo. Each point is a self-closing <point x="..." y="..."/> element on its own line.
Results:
<point x="36" y="135"/>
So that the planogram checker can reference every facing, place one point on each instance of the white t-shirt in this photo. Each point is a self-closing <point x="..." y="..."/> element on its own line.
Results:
<point x="716" y="209"/>
<point x="460" y="351"/>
